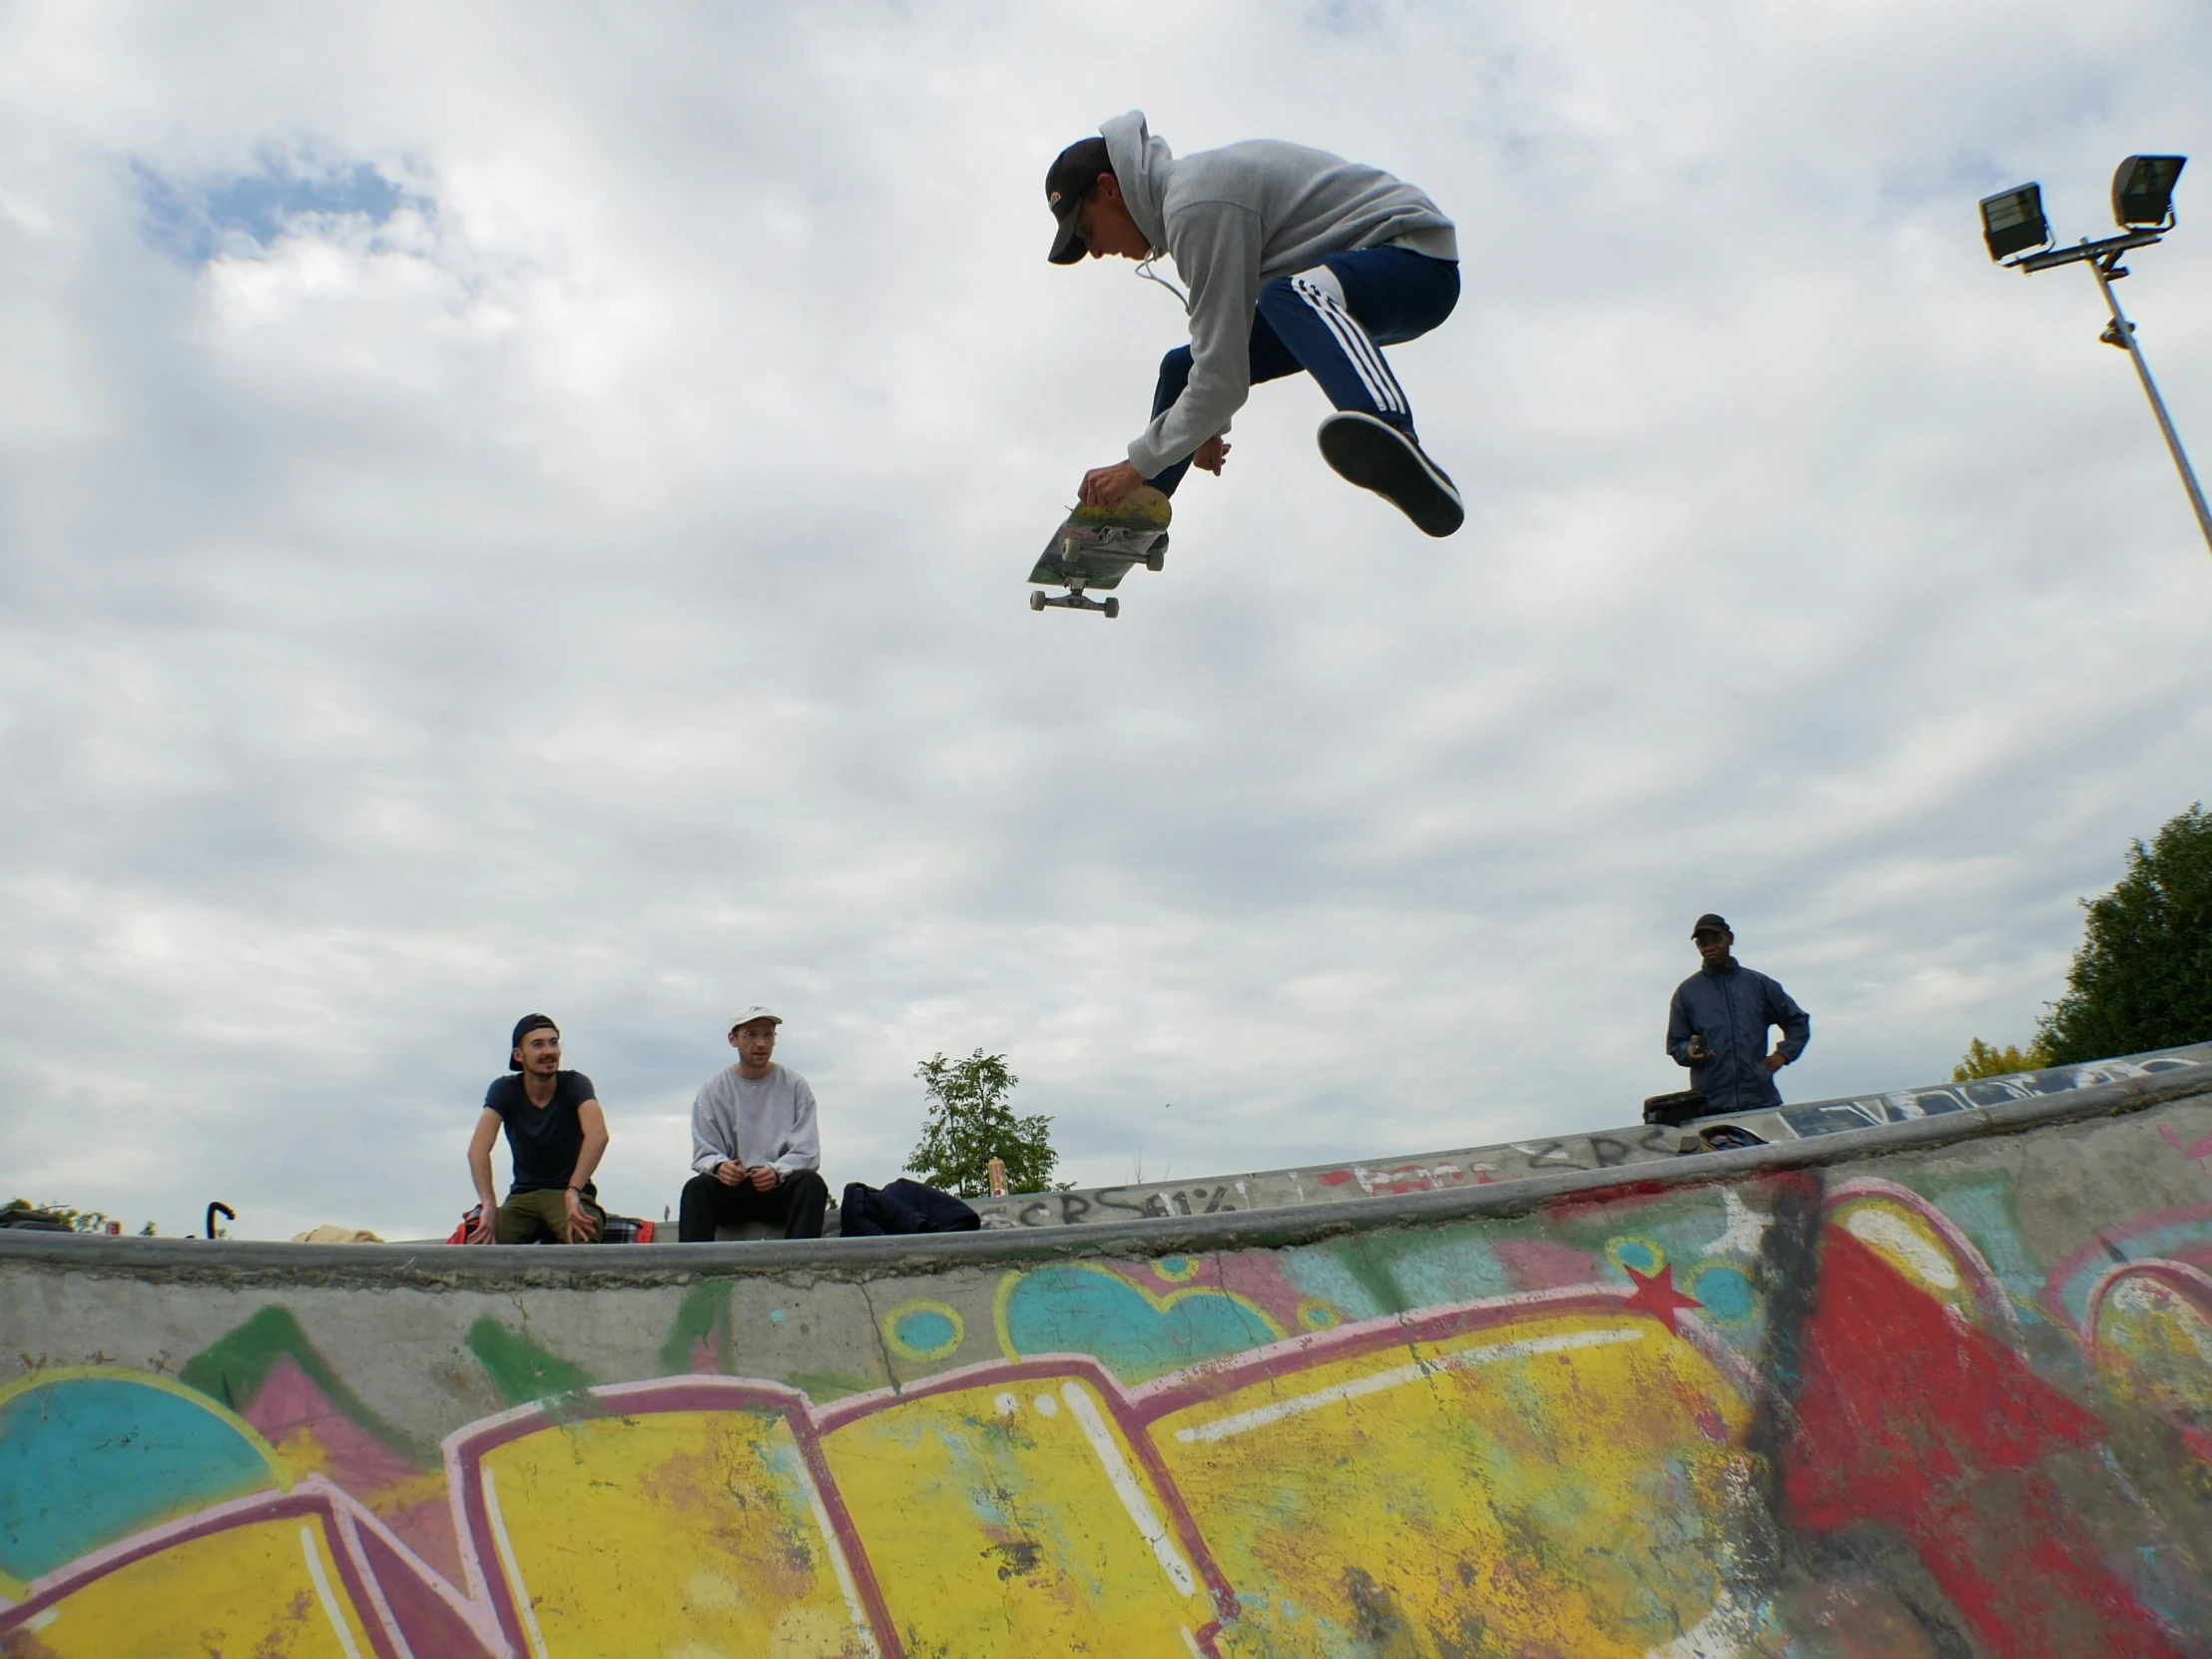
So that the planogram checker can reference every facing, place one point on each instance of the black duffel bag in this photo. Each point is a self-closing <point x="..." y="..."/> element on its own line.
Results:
<point x="1674" y="1110"/>
<point x="903" y="1207"/>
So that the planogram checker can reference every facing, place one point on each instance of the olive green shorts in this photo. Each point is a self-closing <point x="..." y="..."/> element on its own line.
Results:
<point x="527" y="1218"/>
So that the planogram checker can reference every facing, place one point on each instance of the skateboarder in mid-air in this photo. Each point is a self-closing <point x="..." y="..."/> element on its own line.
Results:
<point x="1296" y="259"/>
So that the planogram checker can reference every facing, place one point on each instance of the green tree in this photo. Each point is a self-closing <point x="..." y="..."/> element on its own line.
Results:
<point x="1988" y="1060"/>
<point x="2142" y="978"/>
<point x="2143" y="975"/>
<point x="968" y="1123"/>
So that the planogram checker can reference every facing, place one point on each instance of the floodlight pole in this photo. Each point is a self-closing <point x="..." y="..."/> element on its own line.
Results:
<point x="2103" y="259"/>
<point x="2123" y="332"/>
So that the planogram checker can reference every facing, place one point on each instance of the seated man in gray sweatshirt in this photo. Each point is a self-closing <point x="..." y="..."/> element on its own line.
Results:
<point x="1296" y="259"/>
<point x="754" y="1143"/>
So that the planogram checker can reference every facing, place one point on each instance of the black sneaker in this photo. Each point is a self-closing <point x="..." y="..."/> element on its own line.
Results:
<point x="1377" y="456"/>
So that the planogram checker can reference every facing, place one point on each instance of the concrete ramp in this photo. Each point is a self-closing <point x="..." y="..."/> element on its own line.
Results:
<point x="1941" y="1385"/>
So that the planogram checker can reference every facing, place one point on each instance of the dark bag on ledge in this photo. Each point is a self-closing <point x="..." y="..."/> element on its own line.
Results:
<point x="1674" y="1110"/>
<point x="903" y="1207"/>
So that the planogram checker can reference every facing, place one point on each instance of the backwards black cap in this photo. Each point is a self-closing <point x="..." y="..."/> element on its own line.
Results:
<point x="523" y="1027"/>
<point x="1071" y="177"/>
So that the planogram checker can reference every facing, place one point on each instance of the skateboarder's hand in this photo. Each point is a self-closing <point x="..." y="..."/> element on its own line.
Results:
<point x="1211" y="456"/>
<point x="1774" y="1062"/>
<point x="1105" y="485"/>
<point x="486" y="1230"/>
<point x="764" y="1178"/>
<point x="730" y="1174"/>
<point x="1698" y="1050"/>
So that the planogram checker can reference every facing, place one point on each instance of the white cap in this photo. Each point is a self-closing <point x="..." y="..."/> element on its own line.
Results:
<point x="746" y="1016"/>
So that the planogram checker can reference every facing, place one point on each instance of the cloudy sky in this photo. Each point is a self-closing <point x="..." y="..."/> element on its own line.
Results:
<point x="517" y="508"/>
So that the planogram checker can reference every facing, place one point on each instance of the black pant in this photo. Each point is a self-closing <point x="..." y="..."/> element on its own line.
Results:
<point x="797" y="1200"/>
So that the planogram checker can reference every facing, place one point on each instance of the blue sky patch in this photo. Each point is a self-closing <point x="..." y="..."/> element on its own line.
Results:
<point x="194" y="220"/>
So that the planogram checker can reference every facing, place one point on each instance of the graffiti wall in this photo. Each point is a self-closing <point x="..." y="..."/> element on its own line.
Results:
<point x="1933" y="1401"/>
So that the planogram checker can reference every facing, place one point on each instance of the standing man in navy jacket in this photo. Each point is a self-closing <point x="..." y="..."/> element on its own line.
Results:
<point x="1717" y="1025"/>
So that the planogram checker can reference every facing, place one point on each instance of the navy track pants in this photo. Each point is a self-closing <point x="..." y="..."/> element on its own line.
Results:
<point x="1332" y="321"/>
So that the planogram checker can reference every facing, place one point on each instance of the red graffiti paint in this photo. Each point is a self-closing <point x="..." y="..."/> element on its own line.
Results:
<point x="1655" y="1295"/>
<point x="1625" y="1195"/>
<point x="1910" y="1416"/>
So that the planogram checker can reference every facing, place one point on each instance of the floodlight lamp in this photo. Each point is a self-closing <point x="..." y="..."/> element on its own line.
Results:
<point x="2143" y="190"/>
<point x="2012" y="222"/>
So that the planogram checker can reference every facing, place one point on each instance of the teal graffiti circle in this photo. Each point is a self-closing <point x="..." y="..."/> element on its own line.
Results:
<point x="1724" y="1292"/>
<point x="925" y="1331"/>
<point x="1641" y="1254"/>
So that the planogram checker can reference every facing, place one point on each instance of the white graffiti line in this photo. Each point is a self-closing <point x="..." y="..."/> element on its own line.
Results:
<point x="1260" y="1416"/>
<point x="845" y="1572"/>
<point x="1746" y="1228"/>
<point x="1892" y="1233"/>
<point x="1148" y="1524"/>
<point x="1721" y="1634"/>
<point x="512" y="1567"/>
<point x="322" y="1594"/>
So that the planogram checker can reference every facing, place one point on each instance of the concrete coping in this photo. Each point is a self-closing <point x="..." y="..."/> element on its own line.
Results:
<point x="496" y="1268"/>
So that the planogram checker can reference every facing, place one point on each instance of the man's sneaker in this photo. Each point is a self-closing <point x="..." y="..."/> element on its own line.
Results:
<point x="1143" y="508"/>
<point x="1377" y="456"/>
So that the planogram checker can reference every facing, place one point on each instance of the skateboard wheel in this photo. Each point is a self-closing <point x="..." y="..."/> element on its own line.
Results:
<point x="1156" y="558"/>
<point x="1113" y="607"/>
<point x="1036" y="600"/>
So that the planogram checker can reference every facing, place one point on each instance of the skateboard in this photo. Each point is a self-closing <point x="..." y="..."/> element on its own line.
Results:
<point x="1093" y="550"/>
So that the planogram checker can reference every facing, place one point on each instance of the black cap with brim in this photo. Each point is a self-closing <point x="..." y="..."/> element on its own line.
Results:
<point x="1072" y="176"/>
<point x="1709" y="923"/>
<point x="523" y="1027"/>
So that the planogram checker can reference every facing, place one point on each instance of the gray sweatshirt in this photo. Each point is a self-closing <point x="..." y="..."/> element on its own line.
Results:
<point x="755" y="1121"/>
<point x="1235" y="218"/>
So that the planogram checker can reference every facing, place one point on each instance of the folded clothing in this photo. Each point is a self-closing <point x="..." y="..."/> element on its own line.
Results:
<point x="903" y="1207"/>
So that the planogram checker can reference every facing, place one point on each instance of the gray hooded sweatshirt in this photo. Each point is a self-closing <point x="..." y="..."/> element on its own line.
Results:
<point x="1235" y="218"/>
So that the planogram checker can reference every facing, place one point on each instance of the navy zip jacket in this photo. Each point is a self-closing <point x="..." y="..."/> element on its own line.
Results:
<point x="1731" y="1008"/>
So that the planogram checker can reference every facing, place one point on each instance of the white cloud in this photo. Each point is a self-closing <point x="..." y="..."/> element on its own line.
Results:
<point x="587" y="578"/>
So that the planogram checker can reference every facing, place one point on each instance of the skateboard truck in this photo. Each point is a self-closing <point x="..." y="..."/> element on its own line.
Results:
<point x="1076" y="599"/>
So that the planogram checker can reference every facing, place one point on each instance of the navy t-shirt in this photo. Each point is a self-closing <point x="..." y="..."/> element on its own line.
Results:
<point x="545" y="1141"/>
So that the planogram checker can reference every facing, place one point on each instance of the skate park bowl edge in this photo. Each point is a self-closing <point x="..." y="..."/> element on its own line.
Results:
<point x="1939" y="1385"/>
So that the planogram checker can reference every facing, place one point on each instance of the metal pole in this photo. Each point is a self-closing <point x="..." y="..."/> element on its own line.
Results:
<point x="2123" y="333"/>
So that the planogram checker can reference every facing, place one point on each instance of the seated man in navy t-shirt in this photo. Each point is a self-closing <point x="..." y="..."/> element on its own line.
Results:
<point x="556" y="1135"/>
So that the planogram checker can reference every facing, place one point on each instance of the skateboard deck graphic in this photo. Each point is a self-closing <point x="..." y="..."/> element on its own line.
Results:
<point x="1090" y="553"/>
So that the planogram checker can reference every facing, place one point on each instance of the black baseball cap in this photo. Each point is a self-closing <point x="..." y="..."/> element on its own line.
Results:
<point x="523" y="1027"/>
<point x="1072" y="176"/>
<point x="1710" y="923"/>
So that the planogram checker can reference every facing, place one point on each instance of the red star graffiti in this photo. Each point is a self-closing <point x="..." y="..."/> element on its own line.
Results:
<point x="1655" y="1295"/>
